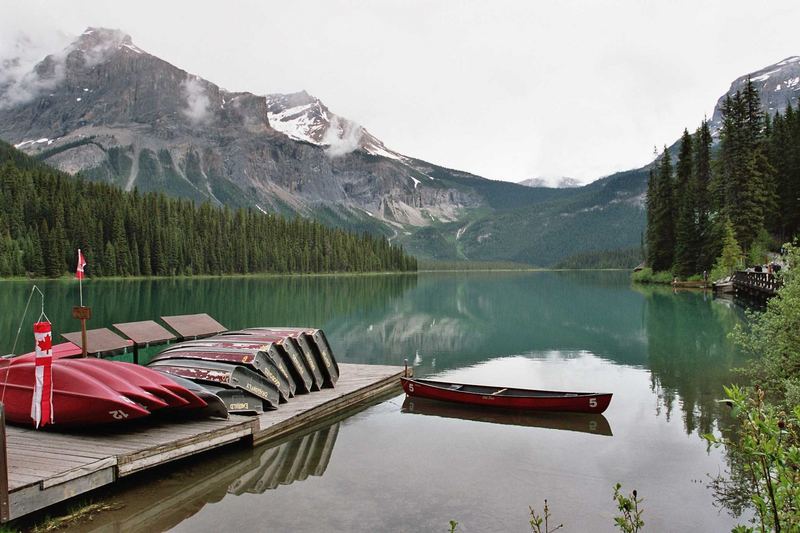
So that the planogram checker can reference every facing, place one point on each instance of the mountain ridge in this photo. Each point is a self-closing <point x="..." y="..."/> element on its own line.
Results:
<point x="112" y="111"/>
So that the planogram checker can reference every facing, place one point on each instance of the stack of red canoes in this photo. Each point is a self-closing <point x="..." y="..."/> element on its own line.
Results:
<point x="89" y="391"/>
<point x="244" y="371"/>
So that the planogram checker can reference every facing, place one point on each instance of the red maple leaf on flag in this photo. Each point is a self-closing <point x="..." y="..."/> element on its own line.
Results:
<point x="46" y="343"/>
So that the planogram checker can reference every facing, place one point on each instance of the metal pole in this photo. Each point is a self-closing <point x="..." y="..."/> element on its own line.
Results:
<point x="4" y="510"/>
<point x="83" y="337"/>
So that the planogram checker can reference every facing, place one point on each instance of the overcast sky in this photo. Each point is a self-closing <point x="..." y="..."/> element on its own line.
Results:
<point x="506" y="90"/>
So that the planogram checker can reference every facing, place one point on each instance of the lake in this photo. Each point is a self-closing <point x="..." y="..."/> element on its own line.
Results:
<point x="406" y="465"/>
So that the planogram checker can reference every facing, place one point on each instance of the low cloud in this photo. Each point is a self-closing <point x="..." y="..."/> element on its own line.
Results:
<point x="342" y="137"/>
<point x="198" y="104"/>
<point x="24" y="75"/>
<point x="20" y="81"/>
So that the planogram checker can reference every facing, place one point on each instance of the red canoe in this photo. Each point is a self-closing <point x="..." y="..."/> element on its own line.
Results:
<point x="507" y="398"/>
<point x="78" y="398"/>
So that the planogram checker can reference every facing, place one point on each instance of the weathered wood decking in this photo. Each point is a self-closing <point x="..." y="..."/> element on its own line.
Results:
<point x="45" y="468"/>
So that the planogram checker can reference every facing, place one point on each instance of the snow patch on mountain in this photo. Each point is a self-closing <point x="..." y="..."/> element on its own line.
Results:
<point x="303" y="117"/>
<point x="776" y="84"/>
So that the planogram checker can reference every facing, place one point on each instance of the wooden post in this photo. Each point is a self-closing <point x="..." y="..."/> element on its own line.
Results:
<point x="4" y="511"/>
<point x="83" y="314"/>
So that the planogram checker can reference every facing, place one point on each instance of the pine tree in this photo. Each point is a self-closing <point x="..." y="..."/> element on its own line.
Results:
<point x="661" y="235"/>
<point x="686" y="246"/>
<point x="707" y="248"/>
<point x="731" y="257"/>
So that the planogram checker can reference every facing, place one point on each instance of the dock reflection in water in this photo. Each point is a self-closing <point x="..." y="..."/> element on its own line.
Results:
<point x="167" y="501"/>
<point x="292" y="461"/>
<point x="581" y="422"/>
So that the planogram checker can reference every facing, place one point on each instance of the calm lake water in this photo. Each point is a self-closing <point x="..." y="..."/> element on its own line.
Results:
<point x="413" y="466"/>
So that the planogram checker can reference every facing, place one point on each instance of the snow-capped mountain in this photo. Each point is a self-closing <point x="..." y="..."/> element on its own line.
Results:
<point x="778" y="86"/>
<point x="303" y="117"/>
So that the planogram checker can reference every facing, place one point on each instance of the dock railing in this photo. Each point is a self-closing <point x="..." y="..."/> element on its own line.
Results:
<point x="762" y="282"/>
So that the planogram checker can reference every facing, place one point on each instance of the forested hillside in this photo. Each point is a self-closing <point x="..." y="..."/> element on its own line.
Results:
<point x="46" y="215"/>
<point x="749" y="186"/>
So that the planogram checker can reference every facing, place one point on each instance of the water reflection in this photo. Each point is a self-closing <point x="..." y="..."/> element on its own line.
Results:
<point x="163" y="504"/>
<point x="584" y="423"/>
<point x="690" y="355"/>
<point x="471" y="317"/>
<point x="235" y="302"/>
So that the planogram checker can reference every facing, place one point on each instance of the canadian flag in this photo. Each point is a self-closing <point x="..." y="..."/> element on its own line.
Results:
<point x="81" y="264"/>
<point x="42" y="404"/>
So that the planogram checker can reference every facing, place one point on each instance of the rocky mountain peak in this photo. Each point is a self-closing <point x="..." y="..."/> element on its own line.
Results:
<point x="778" y="86"/>
<point x="93" y="38"/>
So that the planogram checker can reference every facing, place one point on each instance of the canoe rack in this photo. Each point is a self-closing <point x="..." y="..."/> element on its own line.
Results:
<point x="103" y="342"/>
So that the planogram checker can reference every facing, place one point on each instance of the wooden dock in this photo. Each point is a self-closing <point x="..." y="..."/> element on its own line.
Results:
<point x="759" y="286"/>
<point x="45" y="468"/>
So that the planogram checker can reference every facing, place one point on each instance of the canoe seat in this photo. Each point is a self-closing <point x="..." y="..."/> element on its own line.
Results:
<point x="499" y="391"/>
<point x="455" y="386"/>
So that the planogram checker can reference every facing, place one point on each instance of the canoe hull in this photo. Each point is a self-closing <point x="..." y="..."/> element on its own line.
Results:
<point x="78" y="399"/>
<point x="256" y="361"/>
<point x="524" y="400"/>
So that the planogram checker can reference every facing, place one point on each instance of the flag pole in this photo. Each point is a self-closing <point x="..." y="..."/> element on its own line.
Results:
<point x="81" y="313"/>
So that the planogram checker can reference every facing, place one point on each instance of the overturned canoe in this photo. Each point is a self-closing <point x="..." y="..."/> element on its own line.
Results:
<point x="213" y="405"/>
<point x="255" y="360"/>
<point x="221" y="374"/>
<point x="299" y="342"/>
<point x="271" y="351"/>
<point x="79" y="399"/>
<point x="238" y="401"/>
<point x="317" y="343"/>
<point x="289" y="351"/>
<point x="507" y="398"/>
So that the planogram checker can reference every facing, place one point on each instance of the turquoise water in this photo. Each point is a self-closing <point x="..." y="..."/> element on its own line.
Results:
<point x="392" y="467"/>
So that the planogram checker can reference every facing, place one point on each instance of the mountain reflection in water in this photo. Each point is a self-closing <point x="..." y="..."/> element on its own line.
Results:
<point x="581" y="422"/>
<point x="167" y="501"/>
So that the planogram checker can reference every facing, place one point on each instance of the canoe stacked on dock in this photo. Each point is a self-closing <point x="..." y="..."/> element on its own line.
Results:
<point x="88" y="391"/>
<point x="211" y="373"/>
<point x="254" y="369"/>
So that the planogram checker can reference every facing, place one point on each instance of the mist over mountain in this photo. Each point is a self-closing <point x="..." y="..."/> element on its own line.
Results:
<point x="107" y="109"/>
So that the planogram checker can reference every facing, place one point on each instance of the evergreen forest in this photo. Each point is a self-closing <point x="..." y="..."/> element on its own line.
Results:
<point x="743" y="190"/>
<point x="46" y="215"/>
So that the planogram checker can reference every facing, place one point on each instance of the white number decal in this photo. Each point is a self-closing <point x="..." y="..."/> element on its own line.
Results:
<point x="410" y="387"/>
<point x="592" y="402"/>
<point x="119" y="414"/>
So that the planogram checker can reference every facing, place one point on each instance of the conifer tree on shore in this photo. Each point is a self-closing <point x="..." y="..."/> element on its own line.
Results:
<point x="45" y="215"/>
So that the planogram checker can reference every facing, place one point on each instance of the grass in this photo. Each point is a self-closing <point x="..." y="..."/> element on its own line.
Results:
<point x="646" y="275"/>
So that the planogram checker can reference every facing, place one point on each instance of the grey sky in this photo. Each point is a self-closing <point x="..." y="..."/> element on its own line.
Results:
<point x="506" y="90"/>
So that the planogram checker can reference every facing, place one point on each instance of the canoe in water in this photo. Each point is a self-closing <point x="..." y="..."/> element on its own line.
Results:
<point x="507" y="398"/>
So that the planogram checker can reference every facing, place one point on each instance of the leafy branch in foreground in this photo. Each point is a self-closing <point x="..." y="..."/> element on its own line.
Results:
<point x="630" y="521"/>
<point x="537" y="520"/>
<point x="770" y="459"/>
